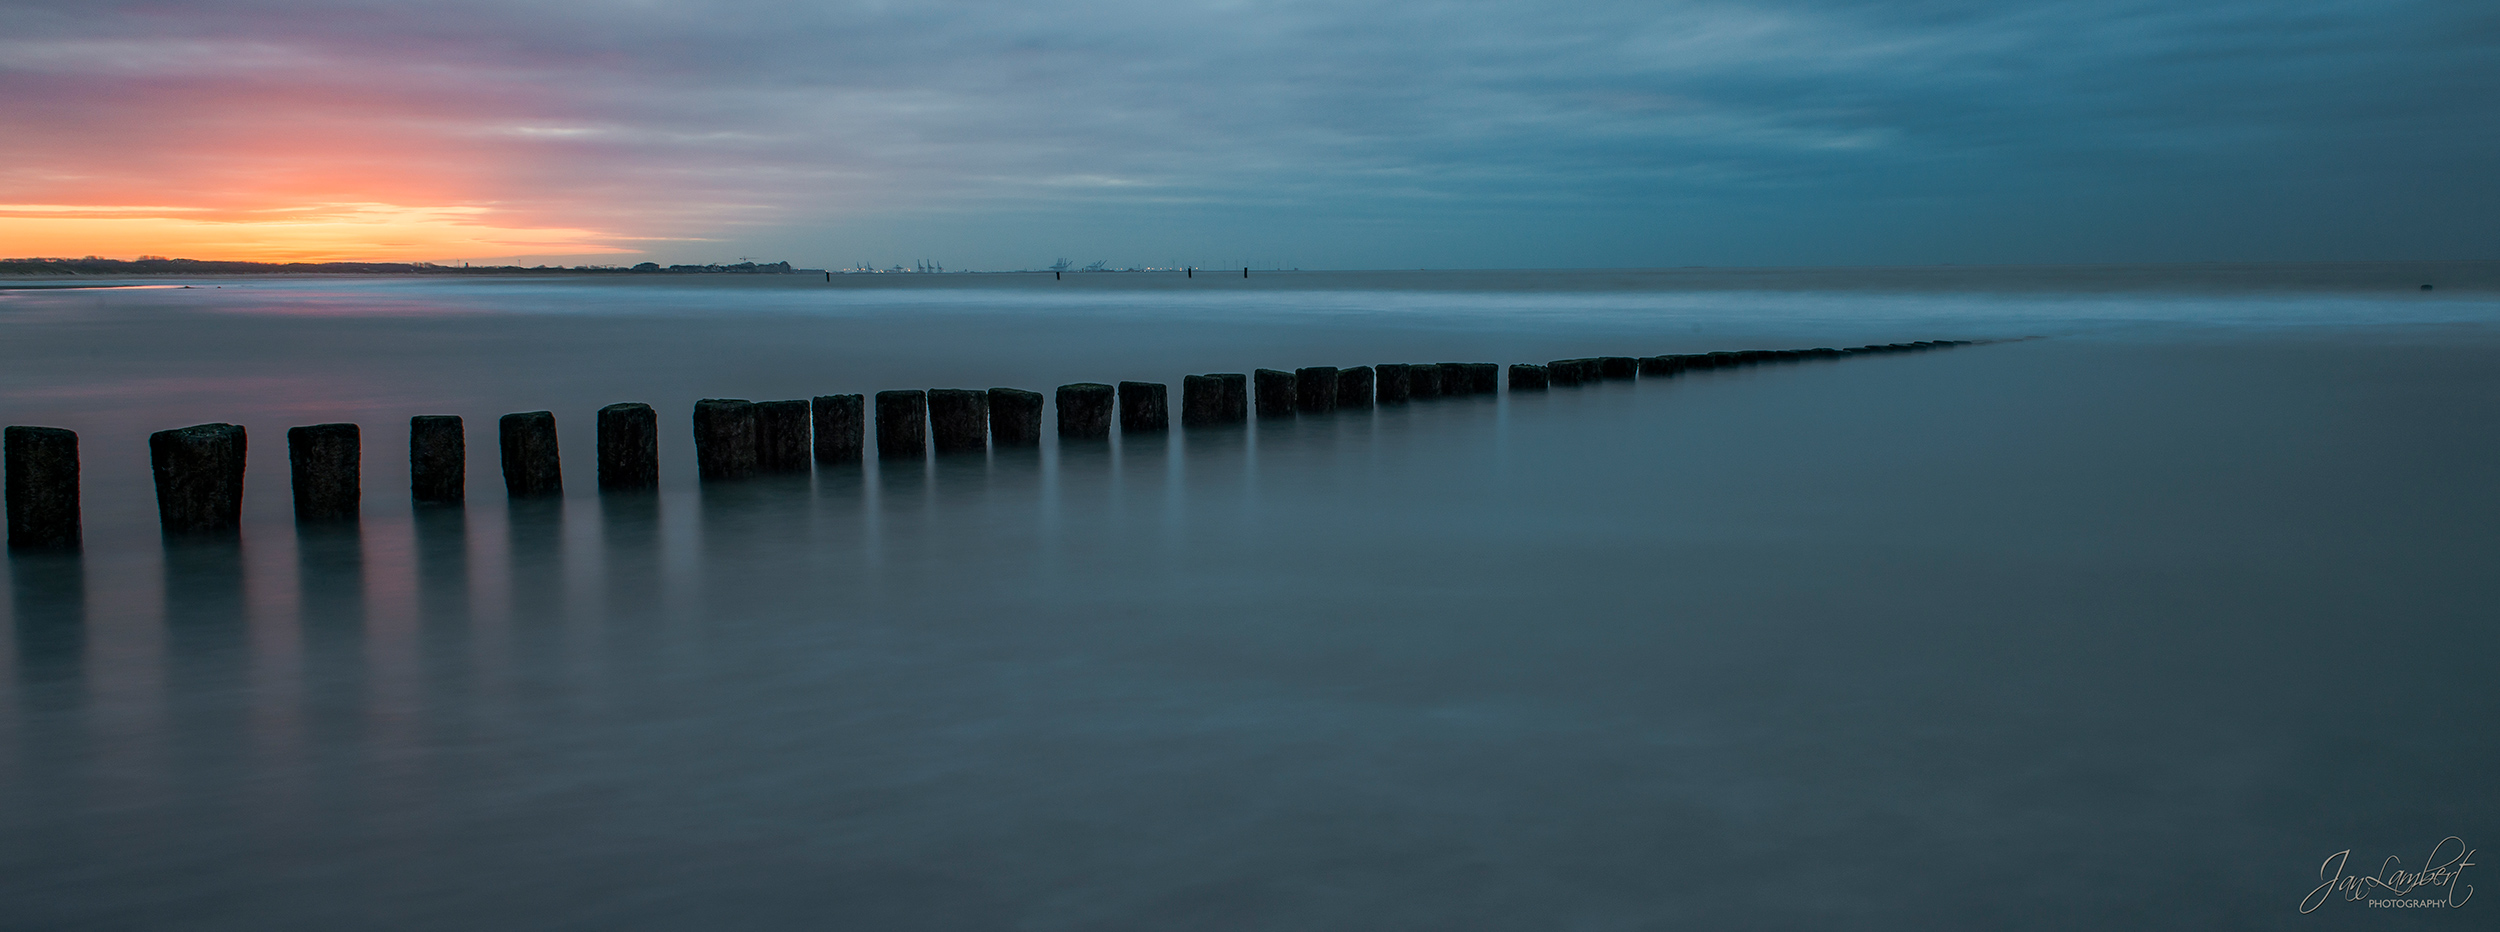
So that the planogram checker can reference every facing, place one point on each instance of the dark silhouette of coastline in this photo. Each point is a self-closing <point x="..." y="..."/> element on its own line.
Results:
<point x="153" y="266"/>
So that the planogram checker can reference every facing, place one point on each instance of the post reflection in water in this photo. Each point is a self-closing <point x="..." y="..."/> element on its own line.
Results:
<point x="534" y="549"/>
<point x="48" y="599"/>
<point x="330" y="619"/>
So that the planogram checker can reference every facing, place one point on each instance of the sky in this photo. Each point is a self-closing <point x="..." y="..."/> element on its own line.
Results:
<point x="1336" y="134"/>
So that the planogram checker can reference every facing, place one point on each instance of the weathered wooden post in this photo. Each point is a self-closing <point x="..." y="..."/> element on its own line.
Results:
<point x="324" y="465"/>
<point x="42" y="497"/>
<point x="1275" y="392"/>
<point x="530" y="466"/>
<point x="1389" y="383"/>
<point x="1528" y="377"/>
<point x="724" y="439"/>
<point x="438" y="460"/>
<point x="959" y="420"/>
<point x="1484" y="378"/>
<point x="1423" y="380"/>
<point x="902" y="424"/>
<point x="1354" y="387"/>
<point x="1085" y="411"/>
<point x="199" y="478"/>
<point x="1315" y="389"/>
<point x="1617" y="367"/>
<point x="1202" y="400"/>
<point x="1563" y="372"/>
<point x="1236" y="406"/>
<point x="629" y="448"/>
<point x="1454" y="380"/>
<point x="1015" y="418"/>
<point x="841" y="429"/>
<point x="1655" y="366"/>
<point x="1143" y="408"/>
<point x="781" y="439"/>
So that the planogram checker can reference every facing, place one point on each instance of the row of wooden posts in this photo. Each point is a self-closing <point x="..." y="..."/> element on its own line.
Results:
<point x="199" y="469"/>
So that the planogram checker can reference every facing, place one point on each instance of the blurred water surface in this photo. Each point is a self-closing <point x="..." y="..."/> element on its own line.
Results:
<point x="2128" y="626"/>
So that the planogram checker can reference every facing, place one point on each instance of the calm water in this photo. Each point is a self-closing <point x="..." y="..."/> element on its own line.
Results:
<point x="2131" y="626"/>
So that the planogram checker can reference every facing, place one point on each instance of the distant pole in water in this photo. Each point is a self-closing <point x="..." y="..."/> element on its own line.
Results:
<point x="629" y="448"/>
<point x="1245" y="271"/>
<point x="781" y="436"/>
<point x="1189" y="273"/>
<point x="841" y="429"/>
<point x="959" y="420"/>
<point x="323" y="463"/>
<point x="1054" y="275"/>
<point x="828" y="276"/>
<point x="724" y="439"/>
<point x="1315" y="388"/>
<point x="1085" y="411"/>
<point x="1144" y="408"/>
<point x="902" y="425"/>
<point x="42" y="467"/>
<point x="530" y="466"/>
<point x="1015" y="418"/>
<point x="199" y="478"/>
<point x="438" y="453"/>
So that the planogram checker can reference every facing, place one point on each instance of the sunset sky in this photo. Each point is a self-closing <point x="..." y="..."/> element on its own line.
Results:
<point x="1318" y="134"/>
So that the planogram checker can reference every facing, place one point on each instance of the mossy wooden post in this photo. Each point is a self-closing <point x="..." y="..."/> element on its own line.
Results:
<point x="42" y="497"/>
<point x="199" y="478"/>
<point x="1484" y="378"/>
<point x="1423" y="380"/>
<point x="1617" y="367"/>
<point x="1354" y="387"/>
<point x="1015" y="418"/>
<point x="1144" y="408"/>
<point x="438" y="460"/>
<point x="530" y="465"/>
<point x="1454" y="381"/>
<point x="1275" y="392"/>
<point x="1527" y="377"/>
<point x="781" y="436"/>
<point x="841" y="429"/>
<point x="1202" y="400"/>
<point x="1390" y="385"/>
<point x="629" y="448"/>
<point x="724" y="439"/>
<point x="1563" y="372"/>
<point x="903" y="424"/>
<point x="1085" y="411"/>
<point x="324" y="467"/>
<point x="959" y="420"/>
<point x="1315" y="389"/>
<point x="1236" y="407"/>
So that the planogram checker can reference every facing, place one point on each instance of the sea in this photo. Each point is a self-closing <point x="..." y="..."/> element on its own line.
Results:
<point x="2169" y="602"/>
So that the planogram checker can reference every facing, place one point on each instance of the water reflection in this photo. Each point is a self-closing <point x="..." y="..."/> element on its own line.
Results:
<point x="48" y="598"/>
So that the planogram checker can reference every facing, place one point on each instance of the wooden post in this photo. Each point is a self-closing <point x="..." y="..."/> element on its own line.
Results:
<point x="530" y="465"/>
<point x="841" y="429"/>
<point x="42" y="467"/>
<point x="1276" y="392"/>
<point x="1423" y="380"/>
<point x="1484" y="378"/>
<point x="1315" y="389"/>
<point x="781" y="437"/>
<point x="959" y="420"/>
<point x="1354" y="387"/>
<point x="1143" y="409"/>
<point x="1526" y="377"/>
<point x="903" y="425"/>
<point x="1236" y="406"/>
<point x="1015" y="418"/>
<point x="199" y="478"/>
<point x="438" y="457"/>
<point x="1085" y="411"/>
<point x="629" y="448"/>
<point x="1390" y="382"/>
<point x="324" y="467"/>
<point x="1563" y="372"/>
<point x="1202" y="400"/>
<point x="724" y="439"/>
<point x="1617" y="367"/>
<point x="1454" y="380"/>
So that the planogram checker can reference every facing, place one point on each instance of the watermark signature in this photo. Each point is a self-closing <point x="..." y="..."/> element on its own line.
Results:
<point x="2393" y="887"/>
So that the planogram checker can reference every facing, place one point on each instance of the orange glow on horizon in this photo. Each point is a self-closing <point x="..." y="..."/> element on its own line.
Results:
<point x="347" y="232"/>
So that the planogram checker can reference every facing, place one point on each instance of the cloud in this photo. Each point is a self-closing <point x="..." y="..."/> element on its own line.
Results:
<point x="1633" y="131"/>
